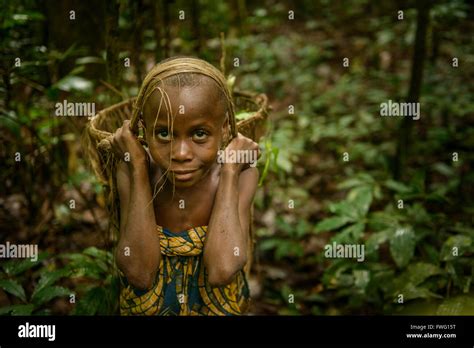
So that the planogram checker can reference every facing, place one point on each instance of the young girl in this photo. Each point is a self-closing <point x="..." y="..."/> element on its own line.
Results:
<point x="184" y="217"/>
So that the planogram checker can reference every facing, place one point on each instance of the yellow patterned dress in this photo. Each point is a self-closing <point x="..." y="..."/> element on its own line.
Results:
<point x="181" y="286"/>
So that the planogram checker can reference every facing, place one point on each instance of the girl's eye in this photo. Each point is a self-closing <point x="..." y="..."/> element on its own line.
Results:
<point x="200" y="135"/>
<point x="163" y="135"/>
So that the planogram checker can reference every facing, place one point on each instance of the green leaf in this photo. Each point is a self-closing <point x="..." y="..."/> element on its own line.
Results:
<point x="103" y="258"/>
<point x="361" y="278"/>
<point x="43" y="312"/>
<point x="331" y="223"/>
<point x="432" y="253"/>
<point x="409" y="282"/>
<point x="47" y="294"/>
<point x="444" y="169"/>
<point x="372" y="244"/>
<point x="89" y="60"/>
<point x="84" y="266"/>
<point x="24" y="309"/>
<point x="381" y="220"/>
<point x="12" y="126"/>
<point x="231" y="81"/>
<point x="301" y="229"/>
<point x="288" y="249"/>
<point x="265" y="170"/>
<point x="28" y="16"/>
<point x="350" y="183"/>
<point x="243" y="116"/>
<point x="350" y="234"/>
<point x="361" y="179"/>
<point x="458" y="305"/>
<point x="454" y="247"/>
<point x="417" y="273"/>
<point x="410" y="292"/>
<point x="268" y="244"/>
<point x="93" y="302"/>
<point x="74" y="83"/>
<point x="6" y="310"/>
<point x="345" y="209"/>
<point x="48" y="278"/>
<point x="397" y="186"/>
<point x="13" y="287"/>
<point x="15" y="267"/>
<point x="361" y="197"/>
<point x="418" y="181"/>
<point x="402" y="245"/>
<point x="95" y="252"/>
<point x="462" y="229"/>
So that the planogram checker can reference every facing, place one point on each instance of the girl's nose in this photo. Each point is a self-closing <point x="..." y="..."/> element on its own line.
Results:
<point x="181" y="151"/>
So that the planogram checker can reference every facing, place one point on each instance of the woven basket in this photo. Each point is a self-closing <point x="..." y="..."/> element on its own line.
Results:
<point x="252" y="127"/>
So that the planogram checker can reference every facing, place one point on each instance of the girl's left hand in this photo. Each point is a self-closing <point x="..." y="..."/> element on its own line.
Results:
<point x="244" y="150"/>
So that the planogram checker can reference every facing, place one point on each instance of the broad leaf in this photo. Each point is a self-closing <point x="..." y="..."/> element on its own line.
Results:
<point x="13" y="287"/>
<point x="89" y="60"/>
<point x="361" y="197"/>
<point x="346" y="209"/>
<point x="350" y="234"/>
<point x="372" y="244"/>
<point x="93" y="302"/>
<point x="331" y="223"/>
<point x="361" y="278"/>
<point x="48" y="278"/>
<point x="47" y="294"/>
<point x="402" y="245"/>
<point x="268" y="244"/>
<point x="17" y="310"/>
<point x="397" y="186"/>
<point x="417" y="273"/>
<point x="14" y="267"/>
<point x="454" y="247"/>
<point x="458" y="305"/>
<point x="72" y="83"/>
<point x="410" y="292"/>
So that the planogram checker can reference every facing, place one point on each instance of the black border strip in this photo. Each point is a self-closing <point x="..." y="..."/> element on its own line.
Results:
<point x="252" y="329"/>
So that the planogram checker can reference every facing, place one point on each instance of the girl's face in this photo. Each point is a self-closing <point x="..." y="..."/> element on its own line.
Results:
<point x="186" y="146"/>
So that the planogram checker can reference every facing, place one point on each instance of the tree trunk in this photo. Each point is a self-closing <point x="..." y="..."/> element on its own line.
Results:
<point x="158" y="21"/>
<point x="138" y="9"/>
<point x="111" y="44"/>
<point x="84" y="27"/>
<point x="238" y="15"/>
<point x="166" y="24"/>
<point x="195" y="26"/>
<point x="419" y="54"/>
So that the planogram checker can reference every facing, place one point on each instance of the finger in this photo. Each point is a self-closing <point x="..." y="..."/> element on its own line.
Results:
<point x="115" y="148"/>
<point x="126" y="126"/>
<point x="118" y="138"/>
<point x="119" y="132"/>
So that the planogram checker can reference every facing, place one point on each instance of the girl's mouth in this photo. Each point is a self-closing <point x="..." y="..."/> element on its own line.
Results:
<point x="183" y="175"/>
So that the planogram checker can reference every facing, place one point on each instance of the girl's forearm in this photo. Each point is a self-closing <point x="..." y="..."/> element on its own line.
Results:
<point x="226" y="243"/>
<point x="139" y="241"/>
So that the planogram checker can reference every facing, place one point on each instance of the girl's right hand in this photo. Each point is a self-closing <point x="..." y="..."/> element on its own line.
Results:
<point x="126" y="146"/>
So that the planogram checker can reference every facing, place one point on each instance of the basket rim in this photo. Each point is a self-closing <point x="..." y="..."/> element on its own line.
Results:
<point x="259" y="99"/>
